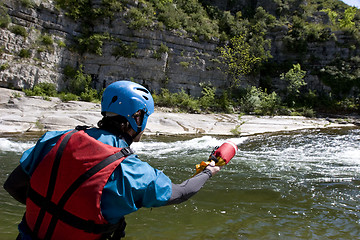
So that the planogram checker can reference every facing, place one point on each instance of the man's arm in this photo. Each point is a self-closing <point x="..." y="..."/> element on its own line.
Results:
<point x="17" y="184"/>
<point x="182" y="192"/>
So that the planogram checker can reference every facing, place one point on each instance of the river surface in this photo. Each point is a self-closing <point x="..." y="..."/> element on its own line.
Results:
<point x="299" y="185"/>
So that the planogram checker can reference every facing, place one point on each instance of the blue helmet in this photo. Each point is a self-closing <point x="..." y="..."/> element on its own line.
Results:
<point x="125" y="98"/>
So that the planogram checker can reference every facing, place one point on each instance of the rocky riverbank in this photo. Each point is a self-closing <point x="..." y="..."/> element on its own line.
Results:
<point x="33" y="114"/>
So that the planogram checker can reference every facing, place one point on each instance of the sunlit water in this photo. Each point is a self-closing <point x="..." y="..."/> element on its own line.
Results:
<point x="302" y="185"/>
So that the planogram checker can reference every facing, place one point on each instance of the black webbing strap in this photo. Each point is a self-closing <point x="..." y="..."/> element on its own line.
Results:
<point x="52" y="181"/>
<point x="57" y="210"/>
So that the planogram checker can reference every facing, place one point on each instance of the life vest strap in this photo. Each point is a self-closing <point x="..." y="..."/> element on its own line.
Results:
<point x="69" y="218"/>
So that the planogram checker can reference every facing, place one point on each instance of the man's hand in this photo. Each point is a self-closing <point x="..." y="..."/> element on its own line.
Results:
<point x="214" y="169"/>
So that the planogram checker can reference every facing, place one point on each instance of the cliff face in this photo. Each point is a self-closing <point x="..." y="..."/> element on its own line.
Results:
<point x="185" y="65"/>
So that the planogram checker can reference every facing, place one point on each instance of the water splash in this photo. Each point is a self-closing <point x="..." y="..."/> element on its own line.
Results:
<point x="195" y="145"/>
<point x="7" y="145"/>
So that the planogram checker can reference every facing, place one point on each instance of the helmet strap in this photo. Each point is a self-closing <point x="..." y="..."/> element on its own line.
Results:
<point x="137" y="132"/>
<point x="127" y="138"/>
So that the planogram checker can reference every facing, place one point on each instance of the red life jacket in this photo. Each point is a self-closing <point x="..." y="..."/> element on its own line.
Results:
<point x="66" y="187"/>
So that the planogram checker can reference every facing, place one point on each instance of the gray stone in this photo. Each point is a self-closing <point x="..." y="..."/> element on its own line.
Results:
<point x="33" y="114"/>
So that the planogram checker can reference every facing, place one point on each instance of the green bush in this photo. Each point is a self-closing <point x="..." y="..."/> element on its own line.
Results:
<point x="184" y="102"/>
<point x="80" y="82"/>
<point x="28" y="3"/>
<point x="61" y="43"/>
<point x="225" y="103"/>
<point x="19" y="30"/>
<point x="42" y="89"/>
<point x="25" y="53"/>
<point x="66" y="97"/>
<point x="295" y="80"/>
<point x="90" y="95"/>
<point x="92" y="43"/>
<point x="46" y="40"/>
<point x="162" y="49"/>
<point x="124" y="50"/>
<point x="260" y="102"/>
<point x="138" y="19"/>
<point x="5" y="19"/>
<point x="180" y="100"/>
<point x="4" y="66"/>
<point x="207" y="100"/>
<point x="79" y="86"/>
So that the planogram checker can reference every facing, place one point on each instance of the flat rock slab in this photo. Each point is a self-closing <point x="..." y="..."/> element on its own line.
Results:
<point x="31" y="114"/>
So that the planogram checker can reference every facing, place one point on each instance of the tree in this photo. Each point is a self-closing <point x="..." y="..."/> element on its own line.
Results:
<point x="295" y="79"/>
<point x="348" y="20"/>
<point x="238" y="58"/>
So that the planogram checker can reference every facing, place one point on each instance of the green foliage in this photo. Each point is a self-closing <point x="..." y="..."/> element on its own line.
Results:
<point x="79" y="82"/>
<point x="162" y="49"/>
<point x="348" y="21"/>
<point x="179" y="100"/>
<point x="24" y="53"/>
<point x="69" y="71"/>
<point x="188" y="15"/>
<point x="19" y="30"/>
<point x="349" y="105"/>
<point x="260" y="102"/>
<point x="61" y="43"/>
<point x="245" y="32"/>
<point x="295" y="79"/>
<point x="237" y="58"/>
<point x="295" y="40"/>
<point x="42" y="89"/>
<point x="185" y="64"/>
<point x="46" y="40"/>
<point x="138" y="19"/>
<point x="45" y="43"/>
<point x="66" y="97"/>
<point x="207" y="99"/>
<point x="2" y="50"/>
<point x="92" y="44"/>
<point x="78" y="88"/>
<point x="225" y="104"/>
<point x="5" y="19"/>
<point x="182" y="101"/>
<point x="90" y="95"/>
<point x="342" y="76"/>
<point x="27" y="3"/>
<point x="4" y="66"/>
<point x="332" y="15"/>
<point x="79" y="85"/>
<point x="109" y="7"/>
<point x="76" y="9"/>
<point x="124" y="50"/>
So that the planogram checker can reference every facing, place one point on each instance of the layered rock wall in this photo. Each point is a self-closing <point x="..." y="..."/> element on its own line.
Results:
<point x="185" y="65"/>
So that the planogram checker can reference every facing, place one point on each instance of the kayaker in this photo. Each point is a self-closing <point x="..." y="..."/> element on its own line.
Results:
<point x="79" y="184"/>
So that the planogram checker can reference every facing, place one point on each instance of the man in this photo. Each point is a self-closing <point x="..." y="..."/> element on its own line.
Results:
<point x="79" y="184"/>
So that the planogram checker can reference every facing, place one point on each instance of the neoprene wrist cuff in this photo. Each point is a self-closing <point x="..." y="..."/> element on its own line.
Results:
<point x="208" y="172"/>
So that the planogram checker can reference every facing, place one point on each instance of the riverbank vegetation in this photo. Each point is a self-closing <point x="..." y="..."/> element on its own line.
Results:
<point x="244" y="51"/>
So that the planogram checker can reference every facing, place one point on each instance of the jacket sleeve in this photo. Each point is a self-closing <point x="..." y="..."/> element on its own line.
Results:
<point x="182" y="192"/>
<point x="17" y="184"/>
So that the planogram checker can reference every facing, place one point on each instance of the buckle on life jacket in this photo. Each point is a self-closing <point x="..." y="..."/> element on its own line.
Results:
<point x="127" y="151"/>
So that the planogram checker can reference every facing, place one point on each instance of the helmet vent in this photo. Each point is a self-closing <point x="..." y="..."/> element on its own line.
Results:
<point x="143" y="90"/>
<point x="113" y="100"/>
<point x="145" y="97"/>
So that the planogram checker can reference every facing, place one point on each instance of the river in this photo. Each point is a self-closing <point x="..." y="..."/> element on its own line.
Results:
<point x="298" y="185"/>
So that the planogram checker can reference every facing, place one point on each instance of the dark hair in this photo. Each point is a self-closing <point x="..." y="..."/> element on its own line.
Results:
<point x="117" y="125"/>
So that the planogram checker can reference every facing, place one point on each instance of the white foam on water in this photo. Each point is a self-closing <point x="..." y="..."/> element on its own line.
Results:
<point x="159" y="149"/>
<point x="7" y="145"/>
